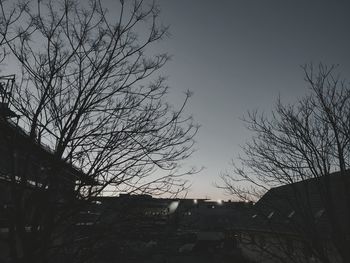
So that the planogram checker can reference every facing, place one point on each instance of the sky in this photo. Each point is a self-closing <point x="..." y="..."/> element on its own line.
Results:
<point x="241" y="55"/>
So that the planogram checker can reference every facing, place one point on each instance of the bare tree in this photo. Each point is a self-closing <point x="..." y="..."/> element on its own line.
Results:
<point x="307" y="140"/>
<point x="87" y="89"/>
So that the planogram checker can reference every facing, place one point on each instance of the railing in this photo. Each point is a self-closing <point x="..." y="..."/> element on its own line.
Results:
<point x="6" y="87"/>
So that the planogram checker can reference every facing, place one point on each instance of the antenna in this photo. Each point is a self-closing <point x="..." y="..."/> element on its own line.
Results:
<point x="6" y="86"/>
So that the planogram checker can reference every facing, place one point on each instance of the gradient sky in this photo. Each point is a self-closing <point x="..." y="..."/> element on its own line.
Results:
<point x="240" y="55"/>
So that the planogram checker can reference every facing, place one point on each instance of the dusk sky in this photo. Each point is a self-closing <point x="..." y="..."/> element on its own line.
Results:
<point x="240" y="55"/>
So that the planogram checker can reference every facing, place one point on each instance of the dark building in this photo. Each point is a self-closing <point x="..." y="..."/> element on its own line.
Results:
<point x="140" y="226"/>
<point x="296" y="222"/>
<point x="36" y="189"/>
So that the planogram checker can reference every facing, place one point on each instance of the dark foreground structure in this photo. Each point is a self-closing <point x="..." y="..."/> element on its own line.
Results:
<point x="37" y="193"/>
<point x="33" y="198"/>
<point x="290" y="223"/>
<point x="43" y="216"/>
<point x="140" y="228"/>
<point x="299" y="222"/>
<point x="38" y="197"/>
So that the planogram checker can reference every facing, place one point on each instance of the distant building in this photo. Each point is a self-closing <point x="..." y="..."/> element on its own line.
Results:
<point x="132" y="223"/>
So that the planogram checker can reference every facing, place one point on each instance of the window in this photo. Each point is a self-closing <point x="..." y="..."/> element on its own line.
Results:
<point x="291" y="214"/>
<point x="4" y="230"/>
<point x="319" y="213"/>
<point x="188" y="213"/>
<point x="270" y="215"/>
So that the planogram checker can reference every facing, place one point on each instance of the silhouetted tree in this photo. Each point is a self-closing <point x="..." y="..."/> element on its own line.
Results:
<point x="307" y="140"/>
<point x="87" y="90"/>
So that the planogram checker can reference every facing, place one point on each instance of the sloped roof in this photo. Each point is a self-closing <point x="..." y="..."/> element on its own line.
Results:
<point x="301" y="207"/>
<point x="9" y="131"/>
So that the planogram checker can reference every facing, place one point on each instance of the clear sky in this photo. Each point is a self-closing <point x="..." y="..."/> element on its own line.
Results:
<point x="239" y="55"/>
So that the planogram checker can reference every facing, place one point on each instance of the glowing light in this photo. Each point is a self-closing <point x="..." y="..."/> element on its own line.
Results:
<point x="195" y="201"/>
<point x="219" y="202"/>
<point x="173" y="206"/>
